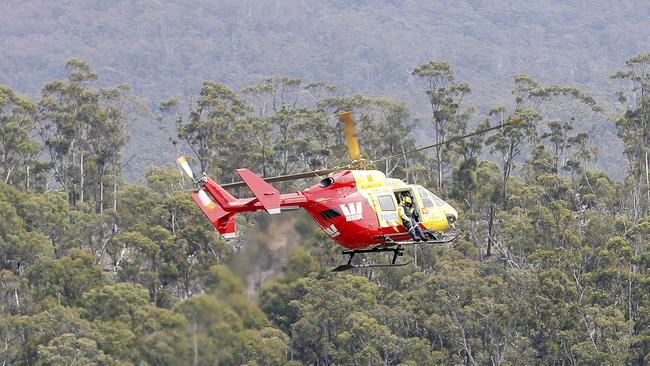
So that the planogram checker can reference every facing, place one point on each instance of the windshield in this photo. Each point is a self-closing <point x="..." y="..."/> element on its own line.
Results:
<point x="426" y="193"/>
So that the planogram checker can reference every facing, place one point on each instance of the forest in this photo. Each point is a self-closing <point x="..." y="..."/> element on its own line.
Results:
<point x="168" y="48"/>
<point x="552" y="266"/>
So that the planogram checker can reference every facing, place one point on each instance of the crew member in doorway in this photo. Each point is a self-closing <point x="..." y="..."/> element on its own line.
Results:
<point x="410" y="219"/>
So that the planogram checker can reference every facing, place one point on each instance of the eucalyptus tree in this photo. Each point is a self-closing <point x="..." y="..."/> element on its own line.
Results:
<point x="561" y="108"/>
<point x="18" y="151"/>
<point x="82" y="129"/>
<point x="274" y="94"/>
<point x="445" y="98"/>
<point x="65" y="113"/>
<point x="106" y="138"/>
<point x="510" y="141"/>
<point x="288" y="133"/>
<point x="634" y="124"/>
<point x="18" y="246"/>
<point x="207" y="127"/>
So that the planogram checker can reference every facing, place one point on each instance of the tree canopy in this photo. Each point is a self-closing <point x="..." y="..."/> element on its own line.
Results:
<point x="551" y="267"/>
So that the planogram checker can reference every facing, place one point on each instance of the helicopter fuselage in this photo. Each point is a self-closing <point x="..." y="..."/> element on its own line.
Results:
<point x="356" y="208"/>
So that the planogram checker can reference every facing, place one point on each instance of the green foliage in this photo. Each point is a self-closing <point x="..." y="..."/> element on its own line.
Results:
<point x="220" y="336"/>
<point x="121" y="302"/>
<point x="83" y="131"/>
<point x="54" y="327"/>
<point x="222" y="282"/>
<point x="70" y="349"/>
<point x="299" y="264"/>
<point x="65" y="279"/>
<point x="445" y="97"/>
<point x="18" y="246"/>
<point x="551" y="266"/>
<point x="18" y="152"/>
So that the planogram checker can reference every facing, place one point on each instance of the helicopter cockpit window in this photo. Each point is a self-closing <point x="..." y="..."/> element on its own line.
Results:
<point x="426" y="200"/>
<point x="330" y="214"/>
<point x="327" y="182"/>
<point x="430" y="196"/>
<point x="438" y="200"/>
<point x="386" y="203"/>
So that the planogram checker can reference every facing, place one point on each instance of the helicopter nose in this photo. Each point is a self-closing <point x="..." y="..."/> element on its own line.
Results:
<point x="452" y="215"/>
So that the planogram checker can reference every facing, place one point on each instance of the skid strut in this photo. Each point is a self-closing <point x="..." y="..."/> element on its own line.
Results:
<point x="398" y="251"/>
<point x="390" y="245"/>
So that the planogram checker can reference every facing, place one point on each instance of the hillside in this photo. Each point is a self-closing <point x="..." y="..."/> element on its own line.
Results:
<point x="551" y="259"/>
<point x="164" y="49"/>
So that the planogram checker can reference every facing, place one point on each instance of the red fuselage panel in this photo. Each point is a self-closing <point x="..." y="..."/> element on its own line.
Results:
<point x="343" y="212"/>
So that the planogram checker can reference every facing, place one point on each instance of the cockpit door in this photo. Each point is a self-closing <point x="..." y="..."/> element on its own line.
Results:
<point x="386" y="208"/>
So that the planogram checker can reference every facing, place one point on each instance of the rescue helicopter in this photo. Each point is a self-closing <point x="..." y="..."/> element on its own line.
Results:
<point x="356" y="208"/>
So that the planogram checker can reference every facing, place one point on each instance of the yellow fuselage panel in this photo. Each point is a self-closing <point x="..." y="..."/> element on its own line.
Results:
<point x="373" y="183"/>
<point x="368" y="179"/>
<point x="433" y="218"/>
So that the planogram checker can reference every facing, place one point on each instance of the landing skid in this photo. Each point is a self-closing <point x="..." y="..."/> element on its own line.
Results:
<point x="434" y="237"/>
<point x="443" y="240"/>
<point x="396" y="247"/>
<point x="397" y="250"/>
<point x="347" y="267"/>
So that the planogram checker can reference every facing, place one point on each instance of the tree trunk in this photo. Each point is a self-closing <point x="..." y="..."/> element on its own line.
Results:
<point x="65" y="167"/>
<point x="17" y="301"/>
<point x="195" y="345"/>
<point x="115" y="191"/>
<point x="507" y="167"/>
<point x="101" y="193"/>
<point x="81" y="183"/>
<point x="647" y="178"/>
<point x="155" y="284"/>
<point x="505" y="185"/>
<point x="8" y="174"/>
<point x="439" y="158"/>
<point x="415" y="249"/>
<point x="406" y="163"/>
<point x="490" y="230"/>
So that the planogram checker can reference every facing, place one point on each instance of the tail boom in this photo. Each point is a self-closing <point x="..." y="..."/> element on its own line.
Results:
<point x="220" y="207"/>
<point x="230" y="204"/>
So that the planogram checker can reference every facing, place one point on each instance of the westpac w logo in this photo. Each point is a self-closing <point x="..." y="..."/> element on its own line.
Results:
<point x="352" y="211"/>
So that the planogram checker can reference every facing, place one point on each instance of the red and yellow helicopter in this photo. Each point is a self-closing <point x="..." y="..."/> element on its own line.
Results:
<point x="356" y="208"/>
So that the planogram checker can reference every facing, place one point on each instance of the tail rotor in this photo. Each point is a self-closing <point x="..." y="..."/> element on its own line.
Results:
<point x="211" y="200"/>
<point x="185" y="166"/>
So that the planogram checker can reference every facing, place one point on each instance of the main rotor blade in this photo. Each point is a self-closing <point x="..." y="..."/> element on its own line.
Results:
<point x="350" y="133"/>
<point x="318" y="173"/>
<point x="282" y="178"/>
<point x="453" y="139"/>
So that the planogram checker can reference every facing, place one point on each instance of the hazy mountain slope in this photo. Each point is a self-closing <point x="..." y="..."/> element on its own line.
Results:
<point x="165" y="48"/>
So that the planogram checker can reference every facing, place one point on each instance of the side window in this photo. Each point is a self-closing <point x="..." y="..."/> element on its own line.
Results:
<point x="386" y="202"/>
<point x="426" y="200"/>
